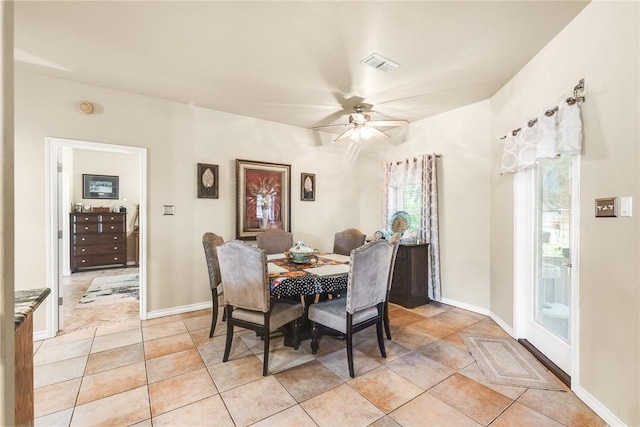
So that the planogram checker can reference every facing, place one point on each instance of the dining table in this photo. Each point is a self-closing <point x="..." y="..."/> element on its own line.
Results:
<point x="324" y="274"/>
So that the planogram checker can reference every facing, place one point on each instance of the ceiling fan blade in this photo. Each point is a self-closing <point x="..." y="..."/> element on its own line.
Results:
<point x="330" y="126"/>
<point x="379" y="134"/>
<point x="345" y="135"/>
<point x="389" y="122"/>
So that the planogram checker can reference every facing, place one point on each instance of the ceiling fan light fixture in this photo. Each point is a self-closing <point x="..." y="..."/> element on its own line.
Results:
<point x="355" y="135"/>
<point x="365" y="132"/>
<point x="379" y="62"/>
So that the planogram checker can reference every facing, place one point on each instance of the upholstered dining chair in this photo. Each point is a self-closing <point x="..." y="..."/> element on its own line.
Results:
<point x="210" y="242"/>
<point x="275" y="241"/>
<point x="345" y="241"/>
<point x="363" y="305"/>
<point x="387" y="328"/>
<point x="247" y="297"/>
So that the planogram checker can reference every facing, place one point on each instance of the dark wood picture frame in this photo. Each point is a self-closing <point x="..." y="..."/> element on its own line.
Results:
<point x="100" y="186"/>
<point x="207" y="181"/>
<point x="307" y="187"/>
<point x="263" y="197"/>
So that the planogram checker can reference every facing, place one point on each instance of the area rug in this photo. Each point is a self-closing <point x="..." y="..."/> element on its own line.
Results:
<point x="111" y="290"/>
<point x="504" y="361"/>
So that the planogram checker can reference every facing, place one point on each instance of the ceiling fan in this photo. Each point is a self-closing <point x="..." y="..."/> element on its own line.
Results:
<point x="362" y="128"/>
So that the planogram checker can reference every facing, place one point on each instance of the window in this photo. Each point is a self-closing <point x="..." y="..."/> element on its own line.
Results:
<point x="406" y="198"/>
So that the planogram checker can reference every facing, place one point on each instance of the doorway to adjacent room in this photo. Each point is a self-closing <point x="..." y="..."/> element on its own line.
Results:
<point x="67" y="309"/>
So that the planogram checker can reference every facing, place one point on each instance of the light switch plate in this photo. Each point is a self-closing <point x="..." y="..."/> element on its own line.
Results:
<point x="626" y="206"/>
<point x="168" y="210"/>
<point x="606" y="207"/>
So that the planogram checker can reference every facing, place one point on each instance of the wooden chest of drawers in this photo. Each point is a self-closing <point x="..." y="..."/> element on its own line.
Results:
<point x="409" y="287"/>
<point x="98" y="239"/>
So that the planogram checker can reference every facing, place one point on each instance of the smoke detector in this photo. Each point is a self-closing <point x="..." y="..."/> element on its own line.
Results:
<point x="379" y="62"/>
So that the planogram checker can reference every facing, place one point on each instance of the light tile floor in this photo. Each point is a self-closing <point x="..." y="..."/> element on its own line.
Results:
<point x="74" y="287"/>
<point x="167" y="371"/>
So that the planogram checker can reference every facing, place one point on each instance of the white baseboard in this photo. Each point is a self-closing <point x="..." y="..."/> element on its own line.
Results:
<point x="508" y="329"/>
<point x="480" y="310"/>
<point x="178" y="310"/>
<point x="603" y="412"/>
<point x="465" y="306"/>
<point x="41" y="335"/>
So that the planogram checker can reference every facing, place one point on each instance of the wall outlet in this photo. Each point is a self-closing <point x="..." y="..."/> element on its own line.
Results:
<point x="168" y="210"/>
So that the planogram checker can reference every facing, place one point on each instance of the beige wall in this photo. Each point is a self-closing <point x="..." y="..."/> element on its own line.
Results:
<point x="177" y="137"/>
<point x="126" y="168"/>
<point x="601" y="45"/>
<point x="476" y="202"/>
<point x="462" y="138"/>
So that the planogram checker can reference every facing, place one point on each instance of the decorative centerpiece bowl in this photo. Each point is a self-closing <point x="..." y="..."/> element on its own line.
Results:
<point x="301" y="253"/>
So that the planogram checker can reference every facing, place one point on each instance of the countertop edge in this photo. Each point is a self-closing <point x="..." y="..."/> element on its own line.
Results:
<point x="26" y="302"/>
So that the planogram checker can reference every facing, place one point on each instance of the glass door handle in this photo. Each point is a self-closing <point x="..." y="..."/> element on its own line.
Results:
<point x="567" y="264"/>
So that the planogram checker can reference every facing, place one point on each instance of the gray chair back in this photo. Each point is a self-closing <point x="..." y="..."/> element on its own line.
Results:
<point x="275" y="241"/>
<point x="346" y="241"/>
<point x="396" y="245"/>
<point x="211" y="241"/>
<point x="368" y="275"/>
<point x="244" y="273"/>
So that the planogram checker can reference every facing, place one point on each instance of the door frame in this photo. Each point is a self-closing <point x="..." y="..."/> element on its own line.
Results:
<point x="523" y="271"/>
<point x="52" y="248"/>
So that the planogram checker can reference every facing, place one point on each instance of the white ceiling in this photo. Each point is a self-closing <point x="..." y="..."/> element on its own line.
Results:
<point x="290" y="62"/>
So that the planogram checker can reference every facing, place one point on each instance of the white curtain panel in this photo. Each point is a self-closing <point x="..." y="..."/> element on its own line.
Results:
<point x="553" y="132"/>
<point x="430" y="222"/>
<point x="419" y="170"/>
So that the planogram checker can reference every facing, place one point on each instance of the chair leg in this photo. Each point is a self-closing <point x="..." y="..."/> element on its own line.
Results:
<point x="314" y="337"/>
<point x="214" y="315"/>
<point x="265" y="366"/>
<point x="227" y="346"/>
<point x="386" y="320"/>
<point x="350" y="351"/>
<point x="380" y="338"/>
<point x="296" y="330"/>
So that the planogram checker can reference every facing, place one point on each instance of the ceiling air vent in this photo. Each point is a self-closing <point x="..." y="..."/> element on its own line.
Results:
<point x="379" y="62"/>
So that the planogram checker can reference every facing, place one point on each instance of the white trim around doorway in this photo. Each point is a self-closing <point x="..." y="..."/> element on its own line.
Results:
<point x="52" y="265"/>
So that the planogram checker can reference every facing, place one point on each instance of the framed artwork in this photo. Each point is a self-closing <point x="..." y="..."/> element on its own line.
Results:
<point x="263" y="197"/>
<point x="100" y="187"/>
<point x="307" y="186"/>
<point x="207" y="181"/>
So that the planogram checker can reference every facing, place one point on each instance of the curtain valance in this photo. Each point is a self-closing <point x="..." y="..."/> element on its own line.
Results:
<point x="554" y="131"/>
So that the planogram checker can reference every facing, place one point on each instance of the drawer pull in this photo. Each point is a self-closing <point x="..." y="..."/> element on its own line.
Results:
<point x="115" y="247"/>
<point x="84" y="260"/>
<point x="112" y="227"/>
<point x="86" y="219"/>
<point x="83" y="239"/>
<point x="83" y="249"/>
<point x="115" y="238"/>
<point x="115" y="258"/>
<point x="86" y="228"/>
<point x="112" y="218"/>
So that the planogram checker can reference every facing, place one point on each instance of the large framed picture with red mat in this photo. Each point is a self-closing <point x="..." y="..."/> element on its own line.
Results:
<point x="263" y="197"/>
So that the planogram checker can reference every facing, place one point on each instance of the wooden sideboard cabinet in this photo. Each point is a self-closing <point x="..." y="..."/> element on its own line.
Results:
<point x="409" y="287"/>
<point x="98" y="239"/>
